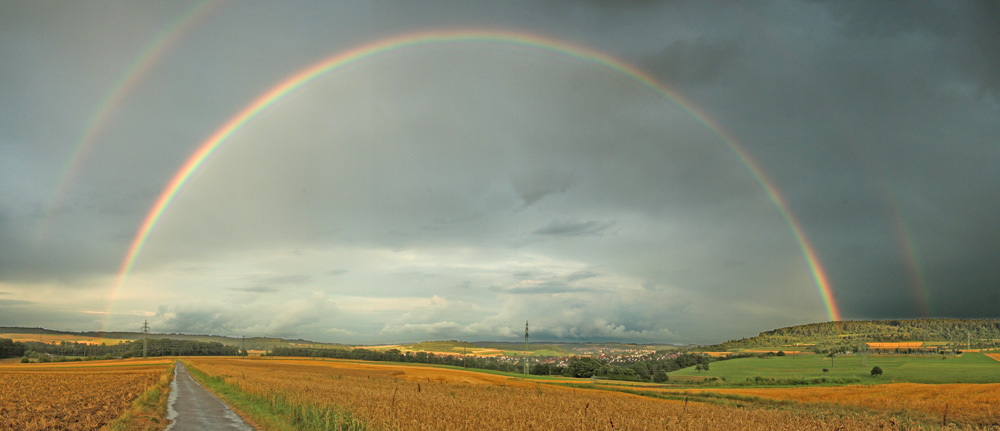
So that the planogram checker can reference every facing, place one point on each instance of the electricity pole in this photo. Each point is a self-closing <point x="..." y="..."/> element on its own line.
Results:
<point x="525" y="347"/>
<point x="145" y="338"/>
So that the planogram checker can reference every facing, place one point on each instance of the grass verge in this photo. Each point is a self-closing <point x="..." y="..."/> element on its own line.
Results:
<point x="149" y="410"/>
<point x="275" y="412"/>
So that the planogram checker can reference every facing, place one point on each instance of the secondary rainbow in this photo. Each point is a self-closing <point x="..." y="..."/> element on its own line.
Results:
<point x="137" y="70"/>
<point x="304" y="76"/>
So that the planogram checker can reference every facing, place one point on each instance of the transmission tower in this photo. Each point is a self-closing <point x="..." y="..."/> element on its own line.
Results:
<point x="525" y="347"/>
<point x="145" y="338"/>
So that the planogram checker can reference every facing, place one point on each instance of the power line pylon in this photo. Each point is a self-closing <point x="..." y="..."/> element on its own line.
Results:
<point x="525" y="347"/>
<point x="145" y="338"/>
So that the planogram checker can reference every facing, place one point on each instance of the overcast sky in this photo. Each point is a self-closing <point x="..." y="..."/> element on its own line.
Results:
<point x="455" y="190"/>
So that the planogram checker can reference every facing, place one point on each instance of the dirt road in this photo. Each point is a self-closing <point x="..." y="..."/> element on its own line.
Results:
<point x="192" y="408"/>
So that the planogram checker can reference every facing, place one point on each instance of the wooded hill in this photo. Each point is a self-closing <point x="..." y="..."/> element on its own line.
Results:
<point x="833" y="336"/>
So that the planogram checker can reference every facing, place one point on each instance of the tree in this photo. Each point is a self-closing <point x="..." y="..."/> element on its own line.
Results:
<point x="781" y="353"/>
<point x="582" y="366"/>
<point x="876" y="371"/>
<point x="660" y="376"/>
<point x="641" y="370"/>
<point x="10" y="349"/>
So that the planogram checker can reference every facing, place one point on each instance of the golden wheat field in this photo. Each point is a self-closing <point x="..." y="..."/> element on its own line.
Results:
<point x="976" y="404"/>
<point x="71" y="396"/>
<point x="389" y="396"/>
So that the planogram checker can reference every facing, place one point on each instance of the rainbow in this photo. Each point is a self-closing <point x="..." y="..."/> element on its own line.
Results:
<point x="137" y="70"/>
<point x="304" y="76"/>
<point x="904" y="237"/>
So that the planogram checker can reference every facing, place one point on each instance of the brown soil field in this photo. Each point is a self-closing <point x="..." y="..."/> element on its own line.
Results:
<point x="38" y="397"/>
<point x="995" y="356"/>
<point x="392" y="396"/>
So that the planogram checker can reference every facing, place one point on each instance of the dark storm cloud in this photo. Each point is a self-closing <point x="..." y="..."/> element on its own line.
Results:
<point x="968" y="32"/>
<point x="689" y="62"/>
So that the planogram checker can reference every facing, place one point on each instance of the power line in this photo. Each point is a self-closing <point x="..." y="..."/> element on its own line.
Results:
<point x="145" y="338"/>
<point x="525" y="347"/>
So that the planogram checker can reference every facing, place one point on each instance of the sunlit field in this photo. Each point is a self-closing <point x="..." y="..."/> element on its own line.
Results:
<point x="315" y="394"/>
<point x="965" y="368"/>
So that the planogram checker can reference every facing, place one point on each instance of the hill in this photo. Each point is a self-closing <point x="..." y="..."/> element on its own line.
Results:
<point x="853" y="334"/>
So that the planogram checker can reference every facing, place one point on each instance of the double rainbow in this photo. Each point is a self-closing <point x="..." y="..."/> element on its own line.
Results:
<point x="304" y="76"/>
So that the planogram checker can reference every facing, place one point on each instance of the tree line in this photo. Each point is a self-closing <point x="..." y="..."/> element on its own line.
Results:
<point x="126" y="349"/>
<point x="10" y="349"/>
<point x="643" y="369"/>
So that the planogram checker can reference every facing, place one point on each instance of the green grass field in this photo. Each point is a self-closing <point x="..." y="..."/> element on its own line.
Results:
<point x="967" y="368"/>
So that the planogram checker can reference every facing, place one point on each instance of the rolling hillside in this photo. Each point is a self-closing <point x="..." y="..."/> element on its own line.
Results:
<point x="829" y="336"/>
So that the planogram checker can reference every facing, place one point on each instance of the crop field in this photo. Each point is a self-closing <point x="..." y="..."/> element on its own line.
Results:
<point x="966" y="368"/>
<point x="971" y="404"/>
<point x="304" y="394"/>
<point x="72" y="396"/>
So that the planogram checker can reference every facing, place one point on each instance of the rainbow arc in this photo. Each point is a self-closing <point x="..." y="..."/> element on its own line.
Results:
<point x="305" y="76"/>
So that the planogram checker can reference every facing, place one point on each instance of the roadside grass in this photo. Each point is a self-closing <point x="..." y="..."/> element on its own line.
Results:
<point x="275" y="412"/>
<point x="965" y="368"/>
<point x="149" y="411"/>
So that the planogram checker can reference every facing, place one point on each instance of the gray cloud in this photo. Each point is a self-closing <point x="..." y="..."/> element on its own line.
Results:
<point x="530" y="183"/>
<point x="571" y="228"/>
<point x="255" y="289"/>
<point x="13" y="302"/>
<point x="689" y="62"/>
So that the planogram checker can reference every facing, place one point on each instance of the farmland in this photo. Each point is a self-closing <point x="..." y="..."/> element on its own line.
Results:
<point x="305" y="394"/>
<point x="73" y="396"/>
<point x="965" y="368"/>
<point x="291" y="393"/>
<point x="974" y="404"/>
